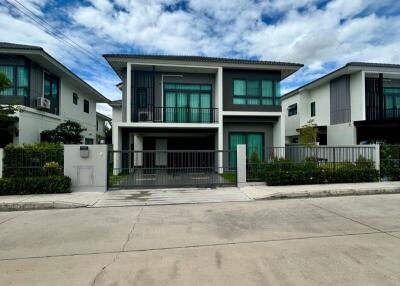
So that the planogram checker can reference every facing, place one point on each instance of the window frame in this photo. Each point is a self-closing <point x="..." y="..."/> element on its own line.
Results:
<point x="75" y="98"/>
<point x="292" y="107"/>
<point x="15" y="83"/>
<point x="259" y="97"/>
<point x="86" y="104"/>
<point x="312" y="109"/>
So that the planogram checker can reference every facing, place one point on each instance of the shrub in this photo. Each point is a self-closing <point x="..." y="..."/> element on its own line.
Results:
<point x="29" y="160"/>
<point x="306" y="173"/>
<point x="35" y="185"/>
<point x="52" y="169"/>
<point x="390" y="162"/>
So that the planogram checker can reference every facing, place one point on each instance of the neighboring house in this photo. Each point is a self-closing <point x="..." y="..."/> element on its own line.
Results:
<point x="197" y="103"/>
<point x="101" y="121"/>
<point x="48" y="93"/>
<point x="357" y="103"/>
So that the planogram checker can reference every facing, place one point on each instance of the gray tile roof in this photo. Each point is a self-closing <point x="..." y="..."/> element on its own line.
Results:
<point x="199" y="59"/>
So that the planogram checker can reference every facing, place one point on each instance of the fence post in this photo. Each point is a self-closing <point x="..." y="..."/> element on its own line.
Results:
<point x="377" y="156"/>
<point x="1" y="162"/>
<point x="241" y="164"/>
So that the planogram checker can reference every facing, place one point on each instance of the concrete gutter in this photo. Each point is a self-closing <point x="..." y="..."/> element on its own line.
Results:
<point x="318" y="191"/>
<point x="25" y="206"/>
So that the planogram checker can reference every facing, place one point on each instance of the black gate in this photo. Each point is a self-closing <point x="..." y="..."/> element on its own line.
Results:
<point x="164" y="169"/>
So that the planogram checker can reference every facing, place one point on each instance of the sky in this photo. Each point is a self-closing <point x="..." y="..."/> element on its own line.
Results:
<point x="322" y="35"/>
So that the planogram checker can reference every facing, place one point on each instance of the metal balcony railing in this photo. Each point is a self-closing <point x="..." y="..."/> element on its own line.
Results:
<point x="175" y="114"/>
<point x="374" y="113"/>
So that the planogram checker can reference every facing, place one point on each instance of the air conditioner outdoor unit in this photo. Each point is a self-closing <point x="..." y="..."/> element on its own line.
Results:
<point x="143" y="116"/>
<point x="43" y="103"/>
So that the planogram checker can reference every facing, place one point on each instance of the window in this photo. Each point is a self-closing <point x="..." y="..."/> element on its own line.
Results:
<point x="392" y="101"/>
<point x="187" y="103"/>
<point x="88" y="141"/>
<point x="19" y="78"/>
<point x="254" y="145"/>
<point x="75" y="98"/>
<point x="51" y="91"/>
<point x="292" y="109"/>
<point x="312" y="109"/>
<point x="256" y="92"/>
<point x="86" y="106"/>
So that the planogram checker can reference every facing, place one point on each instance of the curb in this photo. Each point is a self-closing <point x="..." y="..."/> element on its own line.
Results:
<point x="6" y="207"/>
<point x="330" y="193"/>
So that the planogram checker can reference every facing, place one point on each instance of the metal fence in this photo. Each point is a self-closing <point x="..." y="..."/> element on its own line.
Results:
<point x="177" y="114"/>
<point x="159" y="168"/>
<point x="28" y="162"/>
<point x="322" y="156"/>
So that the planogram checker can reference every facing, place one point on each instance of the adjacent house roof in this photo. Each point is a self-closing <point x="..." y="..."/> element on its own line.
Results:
<point x="116" y="103"/>
<point x="102" y="116"/>
<point x="39" y="55"/>
<point x="346" y="69"/>
<point x="286" y="68"/>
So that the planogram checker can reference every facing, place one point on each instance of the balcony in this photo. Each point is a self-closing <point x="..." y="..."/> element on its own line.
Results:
<point x="175" y="114"/>
<point x="375" y="113"/>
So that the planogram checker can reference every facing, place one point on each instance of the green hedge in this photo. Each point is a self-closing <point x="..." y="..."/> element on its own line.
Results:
<point x="35" y="185"/>
<point x="309" y="172"/>
<point x="30" y="160"/>
<point x="390" y="162"/>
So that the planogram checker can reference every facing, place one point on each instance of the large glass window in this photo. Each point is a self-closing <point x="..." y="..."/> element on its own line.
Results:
<point x="256" y="92"/>
<point x="392" y="101"/>
<point x="51" y="91"/>
<point x="19" y="78"/>
<point x="254" y="145"/>
<point x="187" y="103"/>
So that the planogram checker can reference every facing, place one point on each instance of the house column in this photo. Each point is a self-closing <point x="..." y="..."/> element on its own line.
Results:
<point x="117" y="145"/>
<point x="128" y="92"/>
<point x="219" y="105"/>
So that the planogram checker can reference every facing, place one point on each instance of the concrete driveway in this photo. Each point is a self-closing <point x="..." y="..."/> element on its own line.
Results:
<point x="326" y="241"/>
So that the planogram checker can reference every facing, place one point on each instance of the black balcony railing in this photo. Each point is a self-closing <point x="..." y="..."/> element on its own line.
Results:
<point x="374" y="113"/>
<point x="176" y="114"/>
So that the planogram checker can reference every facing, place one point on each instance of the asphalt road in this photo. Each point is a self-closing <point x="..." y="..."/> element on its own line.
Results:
<point x="326" y="241"/>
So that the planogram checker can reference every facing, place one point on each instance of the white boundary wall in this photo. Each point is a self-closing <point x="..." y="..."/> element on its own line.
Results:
<point x="87" y="174"/>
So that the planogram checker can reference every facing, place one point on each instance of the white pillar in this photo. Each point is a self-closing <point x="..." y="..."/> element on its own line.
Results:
<point x="377" y="157"/>
<point x="241" y="164"/>
<point x="117" y="145"/>
<point x="138" y="148"/>
<point x="128" y="92"/>
<point x="1" y="162"/>
<point x="219" y="105"/>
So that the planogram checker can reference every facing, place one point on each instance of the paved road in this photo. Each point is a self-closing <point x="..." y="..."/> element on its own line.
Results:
<point x="327" y="241"/>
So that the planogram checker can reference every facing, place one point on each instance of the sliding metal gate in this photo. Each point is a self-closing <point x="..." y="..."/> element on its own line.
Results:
<point x="165" y="169"/>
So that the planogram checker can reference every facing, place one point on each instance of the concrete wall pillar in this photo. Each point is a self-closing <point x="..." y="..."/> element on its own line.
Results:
<point x="1" y="162"/>
<point x="87" y="174"/>
<point x="241" y="164"/>
<point x="377" y="156"/>
<point x="138" y="148"/>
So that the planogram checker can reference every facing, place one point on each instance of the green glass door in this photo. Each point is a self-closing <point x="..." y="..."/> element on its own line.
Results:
<point x="182" y="104"/>
<point x="234" y="140"/>
<point x="254" y="146"/>
<point x="170" y="107"/>
<point x="205" y="105"/>
<point x="194" y="107"/>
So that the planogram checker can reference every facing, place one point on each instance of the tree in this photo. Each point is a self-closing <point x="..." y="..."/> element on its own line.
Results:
<point x="308" y="133"/>
<point x="8" y="122"/>
<point x="68" y="132"/>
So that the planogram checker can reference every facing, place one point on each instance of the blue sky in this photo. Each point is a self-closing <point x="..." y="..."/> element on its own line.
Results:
<point x="322" y="35"/>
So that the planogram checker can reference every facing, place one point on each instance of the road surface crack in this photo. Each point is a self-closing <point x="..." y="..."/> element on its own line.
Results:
<point x="115" y="258"/>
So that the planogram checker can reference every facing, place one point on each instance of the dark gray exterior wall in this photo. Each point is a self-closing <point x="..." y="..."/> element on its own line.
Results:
<point x="36" y="83"/>
<point x="230" y="74"/>
<point x="340" y="100"/>
<point x="124" y="89"/>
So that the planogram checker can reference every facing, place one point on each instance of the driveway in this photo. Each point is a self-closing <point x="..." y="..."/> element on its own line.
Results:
<point x="326" y="241"/>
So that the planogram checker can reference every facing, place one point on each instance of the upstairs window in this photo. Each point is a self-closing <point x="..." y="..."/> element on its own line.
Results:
<point x="86" y="106"/>
<point x="256" y="92"/>
<point x="292" y="109"/>
<point x="19" y="78"/>
<point x="75" y="98"/>
<point x="312" y="109"/>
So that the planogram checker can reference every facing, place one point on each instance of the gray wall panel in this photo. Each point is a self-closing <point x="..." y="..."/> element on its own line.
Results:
<point x="340" y="100"/>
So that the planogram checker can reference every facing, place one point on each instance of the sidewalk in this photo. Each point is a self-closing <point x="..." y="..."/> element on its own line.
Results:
<point x="190" y="195"/>
<point x="323" y="190"/>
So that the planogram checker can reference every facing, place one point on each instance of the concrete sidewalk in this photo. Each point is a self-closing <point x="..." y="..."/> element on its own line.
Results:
<point x="146" y="197"/>
<point x="323" y="190"/>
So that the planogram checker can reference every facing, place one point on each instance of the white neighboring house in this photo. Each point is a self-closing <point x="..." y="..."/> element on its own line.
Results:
<point x="47" y="92"/>
<point x="101" y="122"/>
<point x="357" y="103"/>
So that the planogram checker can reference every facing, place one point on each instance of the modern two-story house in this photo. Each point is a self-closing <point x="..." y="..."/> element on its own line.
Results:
<point x="47" y="92"/>
<point x="197" y="103"/>
<point x="357" y="103"/>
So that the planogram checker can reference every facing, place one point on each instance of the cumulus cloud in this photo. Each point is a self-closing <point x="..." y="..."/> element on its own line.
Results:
<point x="321" y="34"/>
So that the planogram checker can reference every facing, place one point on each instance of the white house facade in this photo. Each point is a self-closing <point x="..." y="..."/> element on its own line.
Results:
<point x="197" y="103"/>
<point x="358" y="103"/>
<point x="47" y="93"/>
